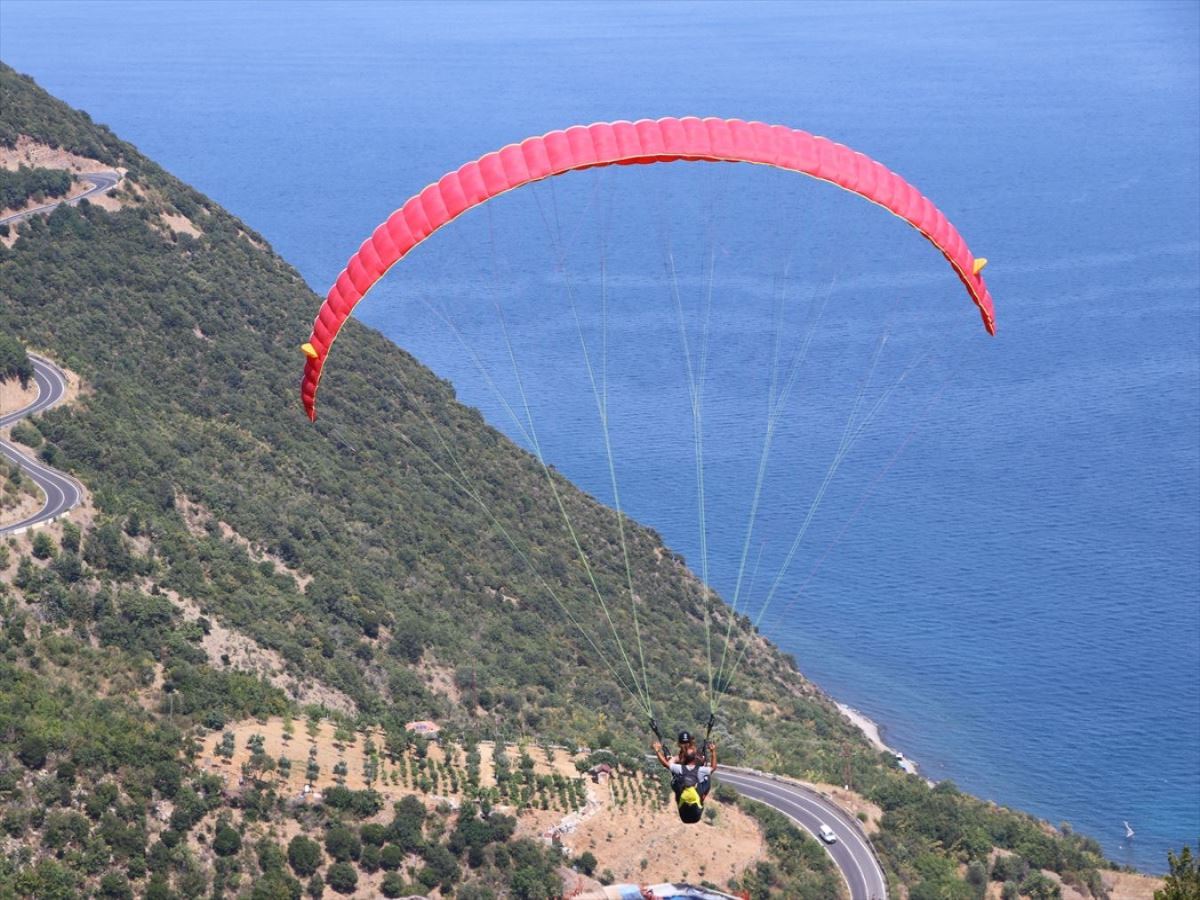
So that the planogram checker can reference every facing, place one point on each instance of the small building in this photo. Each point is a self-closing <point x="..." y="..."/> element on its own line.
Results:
<point x="424" y="728"/>
<point x="600" y="772"/>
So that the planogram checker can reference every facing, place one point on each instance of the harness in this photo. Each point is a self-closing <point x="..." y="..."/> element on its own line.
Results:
<point x="689" y="777"/>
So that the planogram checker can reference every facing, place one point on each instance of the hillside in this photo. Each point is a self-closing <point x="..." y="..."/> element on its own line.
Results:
<point x="240" y="562"/>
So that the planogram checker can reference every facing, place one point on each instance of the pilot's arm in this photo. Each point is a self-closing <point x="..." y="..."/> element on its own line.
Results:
<point x="662" y="757"/>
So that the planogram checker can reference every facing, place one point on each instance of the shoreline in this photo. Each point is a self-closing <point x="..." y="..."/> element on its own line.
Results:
<point x="871" y="730"/>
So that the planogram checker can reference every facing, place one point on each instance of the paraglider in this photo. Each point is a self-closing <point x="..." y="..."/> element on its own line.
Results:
<point x="624" y="143"/>
<point x="691" y="774"/>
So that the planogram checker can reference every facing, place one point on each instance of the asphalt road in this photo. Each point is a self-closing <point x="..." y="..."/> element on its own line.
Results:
<point x="102" y="182"/>
<point x="809" y="810"/>
<point x="62" y="492"/>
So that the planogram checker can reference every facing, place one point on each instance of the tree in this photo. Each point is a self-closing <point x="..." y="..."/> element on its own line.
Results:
<point x="342" y="844"/>
<point x="342" y="877"/>
<point x="393" y="885"/>
<point x="407" y="823"/>
<point x="442" y="865"/>
<point x="276" y="885"/>
<point x="115" y="886"/>
<point x="1038" y="887"/>
<point x="373" y="833"/>
<point x="270" y="855"/>
<point x="529" y="883"/>
<point x="70" y="537"/>
<point x="304" y="855"/>
<point x="46" y="879"/>
<point x="32" y="751"/>
<point x="14" y="361"/>
<point x="1183" y="881"/>
<point x="586" y="862"/>
<point x="43" y="545"/>
<point x="227" y="841"/>
<point x="369" y="861"/>
<point x="391" y="857"/>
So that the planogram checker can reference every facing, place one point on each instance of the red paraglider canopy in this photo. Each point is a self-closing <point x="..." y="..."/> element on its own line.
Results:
<point x="628" y="143"/>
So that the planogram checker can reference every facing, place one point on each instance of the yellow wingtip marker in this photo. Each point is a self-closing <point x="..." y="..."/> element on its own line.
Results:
<point x="979" y="264"/>
<point x="309" y="350"/>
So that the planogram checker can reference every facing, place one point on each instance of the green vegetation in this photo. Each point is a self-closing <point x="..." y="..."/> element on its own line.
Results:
<point x="1183" y="881"/>
<point x="14" y="360"/>
<point x="14" y="488"/>
<point x="343" y="552"/>
<point x="25" y="184"/>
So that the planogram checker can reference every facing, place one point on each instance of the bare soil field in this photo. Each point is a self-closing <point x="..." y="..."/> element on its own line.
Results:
<point x="626" y="820"/>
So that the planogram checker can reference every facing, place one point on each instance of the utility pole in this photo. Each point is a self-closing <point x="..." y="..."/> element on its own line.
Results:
<point x="847" y="768"/>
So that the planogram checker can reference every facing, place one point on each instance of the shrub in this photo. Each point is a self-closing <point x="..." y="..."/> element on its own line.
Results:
<point x="393" y="886"/>
<point x="586" y="862"/>
<point x="391" y="857"/>
<point x="227" y="841"/>
<point x="32" y="751"/>
<point x="342" y="878"/>
<point x="342" y="844"/>
<point x="304" y="855"/>
<point x="27" y="434"/>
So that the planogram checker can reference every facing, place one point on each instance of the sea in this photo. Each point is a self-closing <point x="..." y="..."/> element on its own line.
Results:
<point x="990" y="546"/>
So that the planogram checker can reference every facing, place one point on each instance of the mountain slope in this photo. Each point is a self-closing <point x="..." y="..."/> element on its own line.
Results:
<point x="343" y="551"/>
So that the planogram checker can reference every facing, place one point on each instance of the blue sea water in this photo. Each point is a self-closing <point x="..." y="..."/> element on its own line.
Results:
<point x="1017" y="596"/>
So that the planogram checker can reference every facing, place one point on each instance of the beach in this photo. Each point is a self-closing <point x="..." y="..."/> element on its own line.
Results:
<point x="871" y="730"/>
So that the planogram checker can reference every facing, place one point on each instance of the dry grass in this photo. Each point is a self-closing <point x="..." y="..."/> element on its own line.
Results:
<point x="14" y="397"/>
<point x="29" y="152"/>
<point x="637" y="834"/>
<point x="180" y="224"/>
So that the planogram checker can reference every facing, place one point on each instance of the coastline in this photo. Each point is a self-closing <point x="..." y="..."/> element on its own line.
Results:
<point x="871" y="730"/>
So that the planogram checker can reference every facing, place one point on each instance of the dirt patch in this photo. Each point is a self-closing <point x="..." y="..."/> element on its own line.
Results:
<point x="29" y="152"/>
<point x="628" y="821"/>
<point x="14" y="397"/>
<point x="227" y="648"/>
<point x="639" y="838"/>
<point x="23" y="506"/>
<point x="487" y="762"/>
<point x="358" y="760"/>
<point x="1119" y="885"/>
<point x="1129" y="886"/>
<point x="180" y="224"/>
<point x="253" y="242"/>
<point x="106" y="202"/>
<point x="439" y="680"/>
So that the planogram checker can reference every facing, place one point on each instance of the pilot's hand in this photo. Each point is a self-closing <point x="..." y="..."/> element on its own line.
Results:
<point x="657" y="745"/>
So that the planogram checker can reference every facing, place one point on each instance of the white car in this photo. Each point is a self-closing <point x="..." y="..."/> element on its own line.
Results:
<point x="827" y="834"/>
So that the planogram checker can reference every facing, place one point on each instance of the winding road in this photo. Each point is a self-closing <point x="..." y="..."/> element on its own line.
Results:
<point x="63" y="493"/>
<point x="852" y="852"/>
<point x="102" y="183"/>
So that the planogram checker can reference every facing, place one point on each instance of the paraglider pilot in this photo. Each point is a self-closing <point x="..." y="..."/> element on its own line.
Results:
<point x="691" y="774"/>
